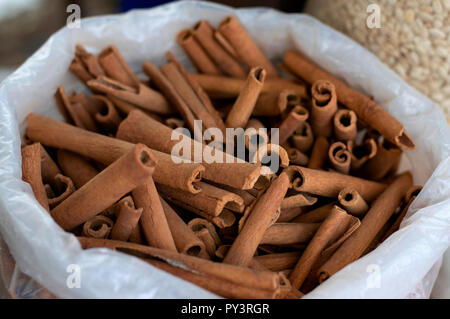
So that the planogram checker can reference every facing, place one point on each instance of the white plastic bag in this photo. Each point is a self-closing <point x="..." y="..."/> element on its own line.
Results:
<point x="44" y="251"/>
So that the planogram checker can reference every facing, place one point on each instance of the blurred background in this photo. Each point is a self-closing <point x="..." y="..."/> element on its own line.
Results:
<point x="414" y="38"/>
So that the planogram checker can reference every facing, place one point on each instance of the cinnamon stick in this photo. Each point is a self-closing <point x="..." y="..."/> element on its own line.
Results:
<point x="344" y="123"/>
<point x="352" y="202"/>
<point x="66" y="188"/>
<point x="316" y="215"/>
<point x="272" y="104"/>
<point x="127" y="219"/>
<point x="383" y="163"/>
<point x="377" y="216"/>
<point x="339" y="157"/>
<point x="291" y="122"/>
<point x="103" y="190"/>
<point x="361" y="153"/>
<point x="98" y="227"/>
<point x="76" y="167"/>
<point x="280" y="261"/>
<point x="319" y="153"/>
<point x="116" y="67"/>
<point x="324" y="106"/>
<point x="205" y="230"/>
<point x="289" y="233"/>
<point x="107" y="115"/>
<point x="303" y="137"/>
<point x="365" y="108"/>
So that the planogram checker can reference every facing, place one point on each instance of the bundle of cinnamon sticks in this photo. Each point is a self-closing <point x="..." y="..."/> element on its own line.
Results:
<point x="116" y="176"/>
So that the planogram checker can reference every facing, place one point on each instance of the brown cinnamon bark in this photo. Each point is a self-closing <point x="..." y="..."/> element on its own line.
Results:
<point x="127" y="219"/>
<point x="198" y="56"/>
<point x="85" y="65"/>
<point x="383" y="163"/>
<point x="138" y="127"/>
<point x="49" y="170"/>
<point x="185" y="240"/>
<point x="291" y="122"/>
<point x="246" y="49"/>
<point x="303" y="137"/>
<point x="31" y="172"/>
<point x="322" y="237"/>
<point x="272" y="104"/>
<point x="329" y="184"/>
<point x="79" y="169"/>
<point x="98" y="227"/>
<point x="263" y="212"/>
<point x="245" y="102"/>
<point x="103" y="190"/>
<point x="107" y="115"/>
<point x="153" y="220"/>
<point x="339" y="157"/>
<point x="298" y="200"/>
<point x="377" y="216"/>
<point x="344" y="123"/>
<point x="324" y="106"/>
<point x="288" y="214"/>
<point x="225" y="87"/>
<point x="116" y="67"/>
<point x="289" y="233"/>
<point x="66" y="188"/>
<point x="204" y="34"/>
<point x="361" y="153"/>
<point x="205" y="230"/>
<point x="280" y="261"/>
<point x="319" y="153"/>
<point x="106" y="150"/>
<point x="316" y="215"/>
<point x="296" y="157"/>
<point x="365" y="108"/>
<point x="352" y="202"/>
<point x="255" y="137"/>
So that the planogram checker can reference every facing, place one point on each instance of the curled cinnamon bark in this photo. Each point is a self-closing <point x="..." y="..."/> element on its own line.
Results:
<point x="31" y="172"/>
<point x="361" y="153"/>
<point x="205" y="230"/>
<point x="185" y="240"/>
<point x="383" y="163"/>
<point x="116" y="67"/>
<point x="76" y="167"/>
<point x="329" y="184"/>
<point x="153" y="221"/>
<point x="225" y="87"/>
<point x="204" y="34"/>
<point x="263" y="212"/>
<point x="298" y="200"/>
<point x="319" y="153"/>
<point x="352" y="202"/>
<point x="49" y="170"/>
<point x="66" y="188"/>
<point x="98" y="227"/>
<point x="244" y="104"/>
<point x="296" y="157"/>
<point x="303" y="137"/>
<point x="324" y="105"/>
<point x="377" y="216"/>
<point x="280" y="261"/>
<point x="316" y="215"/>
<point x="289" y="233"/>
<point x="339" y="157"/>
<point x="198" y="56"/>
<point x="322" y="237"/>
<point x="127" y="219"/>
<point x="291" y="122"/>
<point x="85" y="65"/>
<point x="365" y="108"/>
<point x="107" y="115"/>
<point x="344" y="123"/>
<point x="272" y="104"/>
<point x="103" y="190"/>
<point x="246" y="49"/>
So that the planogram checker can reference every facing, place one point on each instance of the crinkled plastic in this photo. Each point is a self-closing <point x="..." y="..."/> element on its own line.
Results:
<point x="406" y="264"/>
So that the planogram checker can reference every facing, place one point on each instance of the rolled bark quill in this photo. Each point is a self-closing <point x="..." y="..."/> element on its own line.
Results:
<point x="291" y="122"/>
<point x="280" y="261"/>
<point x="329" y="184"/>
<point x="127" y="219"/>
<point x="205" y="230"/>
<point x="107" y="115"/>
<point x="365" y="108"/>
<point x="344" y="123"/>
<point x="153" y="220"/>
<point x="288" y="214"/>
<point x="246" y="49"/>
<point x="322" y="237"/>
<point x="225" y="87"/>
<point x="289" y="233"/>
<point x="49" y="170"/>
<point x="212" y="203"/>
<point x="319" y="153"/>
<point x="198" y="56"/>
<point x="235" y="274"/>
<point x="352" y="202"/>
<point x="316" y="215"/>
<point x="31" y="172"/>
<point x="383" y="163"/>
<point x="324" y="106"/>
<point x="116" y="67"/>
<point x="245" y="102"/>
<point x="377" y="216"/>
<point x="261" y="216"/>
<point x="106" y="150"/>
<point x="186" y="241"/>
<point x="204" y="34"/>
<point x="85" y="65"/>
<point x="273" y="104"/>
<point x="142" y="96"/>
<point x="339" y="157"/>
<point x="361" y="153"/>
<point x="298" y="200"/>
<point x="303" y="137"/>
<point x="132" y="169"/>
<point x="296" y="157"/>
<point x="76" y="167"/>
<point x="265" y="153"/>
<point x="74" y="112"/>
<point x="97" y="227"/>
<point x="66" y="189"/>
<point x="138" y="127"/>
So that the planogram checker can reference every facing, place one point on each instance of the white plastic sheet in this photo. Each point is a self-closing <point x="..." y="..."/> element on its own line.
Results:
<point x="404" y="262"/>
